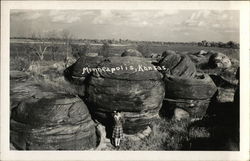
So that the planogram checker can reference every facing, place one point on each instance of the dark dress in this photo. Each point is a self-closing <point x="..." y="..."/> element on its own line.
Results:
<point x="117" y="130"/>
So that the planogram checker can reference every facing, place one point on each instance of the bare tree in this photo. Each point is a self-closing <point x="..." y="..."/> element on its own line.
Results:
<point x="39" y="46"/>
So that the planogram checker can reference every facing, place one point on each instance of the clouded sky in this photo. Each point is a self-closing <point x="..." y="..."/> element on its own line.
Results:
<point x="152" y="25"/>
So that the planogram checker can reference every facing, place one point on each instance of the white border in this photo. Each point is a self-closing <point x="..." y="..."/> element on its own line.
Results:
<point x="243" y="154"/>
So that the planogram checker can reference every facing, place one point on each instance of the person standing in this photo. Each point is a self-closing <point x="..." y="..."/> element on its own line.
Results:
<point x="117" y="134"/>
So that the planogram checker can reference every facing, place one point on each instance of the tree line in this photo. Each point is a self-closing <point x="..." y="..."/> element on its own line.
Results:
<point x="229" y="44"/>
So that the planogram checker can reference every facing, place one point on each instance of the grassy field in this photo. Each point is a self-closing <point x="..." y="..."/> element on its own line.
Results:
<point x="21" y="50"/>
<point x="211" y="133"/>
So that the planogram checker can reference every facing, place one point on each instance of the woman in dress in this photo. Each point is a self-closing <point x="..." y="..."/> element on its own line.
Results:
<point x="117" y="134"/>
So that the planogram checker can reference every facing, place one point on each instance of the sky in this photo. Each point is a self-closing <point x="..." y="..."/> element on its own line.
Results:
<point x="147" y="25"/>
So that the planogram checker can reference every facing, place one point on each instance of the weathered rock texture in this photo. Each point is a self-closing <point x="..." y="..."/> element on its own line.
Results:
<point x="137" y="94"/>
<point x="178" y="65"/>
<point x="219" y="60"/>
<point x="191" y="94"/>
<point x="52" y="121"/>
<point x="20" y="91"/>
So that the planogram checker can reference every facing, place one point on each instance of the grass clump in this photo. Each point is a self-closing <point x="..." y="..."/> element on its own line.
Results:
<point x="165" y="135"/>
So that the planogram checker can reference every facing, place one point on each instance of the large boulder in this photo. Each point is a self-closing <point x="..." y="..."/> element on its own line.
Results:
<point x="131" y="52"/>
<point x="190" y="94"/>
<point x="77" y="72"/>
<point x="178" y="65"/>
<point x="52" y="121"/>
<point x="219" y="60"/>
<point x="128" y="84"/>
<point x="200" y="58"/>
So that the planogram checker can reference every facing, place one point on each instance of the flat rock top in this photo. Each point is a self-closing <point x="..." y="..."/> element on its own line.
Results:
<point x="86" y="61"/>
<point x="128" y="68"/>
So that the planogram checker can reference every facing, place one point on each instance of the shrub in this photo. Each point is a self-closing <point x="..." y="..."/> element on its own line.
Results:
<point x="19" y="63"/>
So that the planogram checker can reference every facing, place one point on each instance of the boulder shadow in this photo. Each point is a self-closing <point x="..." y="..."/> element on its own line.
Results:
<point x="222" y="123"/>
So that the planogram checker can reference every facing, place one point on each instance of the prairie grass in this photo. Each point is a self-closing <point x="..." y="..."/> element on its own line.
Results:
<point x="166" y="135"/>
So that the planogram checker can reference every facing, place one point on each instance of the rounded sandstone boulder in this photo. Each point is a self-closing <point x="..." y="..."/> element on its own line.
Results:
<point x="178" y="65"/>
<point x="55" y="121"/>
<point x="131" y="85"/>
<point x="131" y="52"/>
<point x="200" y="87"/>
<point x="131" y="90"/>
<point x="77" y="72"/>
<point x="190" y="94"/>
<point x="219" y="60"/>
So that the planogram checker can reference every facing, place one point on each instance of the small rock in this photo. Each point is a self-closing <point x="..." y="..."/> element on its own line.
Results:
<point x="92" y="54"/>
<point x="155" y="55"/>
<point x="202" y="52"/>
<point x="180" y="114"/>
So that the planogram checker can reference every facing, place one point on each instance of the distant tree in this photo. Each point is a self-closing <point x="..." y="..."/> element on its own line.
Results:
<point x="213" y="44"/>
<point x="110" y="41"/>
<point x="221" y="44"/>
<point x="231" y="44"/>
<point x="104" y="51"/>
<point x="204" y="43"/>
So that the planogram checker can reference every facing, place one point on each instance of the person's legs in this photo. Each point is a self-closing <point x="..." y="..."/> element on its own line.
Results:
<point x="118" y="141"/>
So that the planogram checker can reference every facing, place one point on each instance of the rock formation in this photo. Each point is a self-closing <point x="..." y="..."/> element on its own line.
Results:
<point x="131" y="52"/>
<point x="134" y="87"/>
<point x="52" y="121"/>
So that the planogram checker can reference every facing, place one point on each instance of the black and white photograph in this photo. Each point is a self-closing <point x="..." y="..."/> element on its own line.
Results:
<point x="107" y="79"/>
